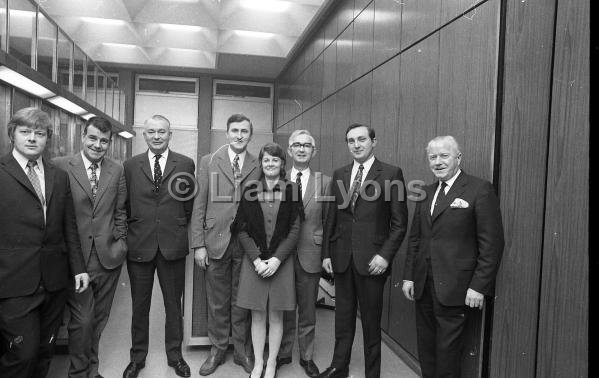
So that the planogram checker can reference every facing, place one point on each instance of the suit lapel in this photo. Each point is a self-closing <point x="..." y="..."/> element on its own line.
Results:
<point x="144" y="165"/>
<point x="77" y="168"/>
<point x="49" y="172"/>
<point x="105" y="177"/>
<point x="310" y="189"/>
<point x="373" y="173"/>
<point x="170" y="165"/>
<point x="14" y="169"/>
<point x="456" y="190"/>
<point x="430" y="193"/>
<point x="249" y="164"/>
<point x="224" y="164"/>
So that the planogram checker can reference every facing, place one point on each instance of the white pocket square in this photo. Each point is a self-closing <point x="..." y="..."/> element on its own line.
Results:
<point x="459" y="203"/>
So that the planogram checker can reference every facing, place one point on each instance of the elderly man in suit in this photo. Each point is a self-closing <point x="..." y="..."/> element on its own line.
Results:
<point x="365" y="226"/>
<point x="99" y="194"/>
<point x="307" y="261"/>
<point x="39" y="248"/>
<point x="455" y="246"/>
<point x="222" y="176"/>
<point x="157" y="241"/>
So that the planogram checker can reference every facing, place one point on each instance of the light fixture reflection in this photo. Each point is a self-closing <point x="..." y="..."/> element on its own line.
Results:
<point x="126" y="134"/>
<point x="253" y="34"/>
<point x="265" y="5"/>
<point x="67" y="105"/>
<point x="17" y="80"/>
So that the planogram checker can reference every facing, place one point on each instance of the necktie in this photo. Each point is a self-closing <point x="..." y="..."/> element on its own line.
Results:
<point x="355" y="189"/>
<point x="298" y="181"/>
<point x="93" y="180"/>
<point x="157" y="173"/>
<point x="236" y="170"/>
<point x="440" y="197"/>
<point x="35" y="181"/>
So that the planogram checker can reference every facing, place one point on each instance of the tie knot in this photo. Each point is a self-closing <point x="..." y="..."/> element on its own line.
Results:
<point x="236" y="159"/>
<point x="94" y="166"/>
<point x="32" y="163"/>
<point x="443" y="185"/>
<point x="157" y="157"/>
<point x="299" y="174"/>
<point x="361" y="167"/>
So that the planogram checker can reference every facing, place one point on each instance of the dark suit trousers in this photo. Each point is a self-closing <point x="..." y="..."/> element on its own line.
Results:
<point x="306" y="292"/>
<point x="439" y="333"/>
<point x="89" y="315"/>
<point x="224" y="317"/>
<point x="171" y="276"/>
<point x="351" y="290"/>
<point x="28" y="326"/>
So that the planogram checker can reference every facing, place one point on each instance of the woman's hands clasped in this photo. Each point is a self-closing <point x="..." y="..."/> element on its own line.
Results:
<point x="266" y="268"/>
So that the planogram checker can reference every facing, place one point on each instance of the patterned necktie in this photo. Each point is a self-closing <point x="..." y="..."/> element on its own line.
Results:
<point x="236" y="170"/>
<point x="440" y="197"/>
<point x="355" y="189"/>
<point x="157" y="173"/>
<point x="93" y="180"/>
<point x="35" y="181"/>
<point x="298" y="181"/>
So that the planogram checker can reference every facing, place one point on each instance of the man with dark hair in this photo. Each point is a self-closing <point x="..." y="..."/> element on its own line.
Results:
<point x="222" y="176"/>
<point x="157" y="242"/>
<point x="99" y="194"/>
<point x="39" y="248"/>
<point x="454" y="251"/>
<point x="365" y="226"/>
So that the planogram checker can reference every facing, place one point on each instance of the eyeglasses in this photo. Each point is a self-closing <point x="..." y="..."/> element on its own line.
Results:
<point x="297" y="146"/>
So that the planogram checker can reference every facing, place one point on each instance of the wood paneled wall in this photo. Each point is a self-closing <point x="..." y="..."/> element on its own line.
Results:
<point x="515" y="94"/>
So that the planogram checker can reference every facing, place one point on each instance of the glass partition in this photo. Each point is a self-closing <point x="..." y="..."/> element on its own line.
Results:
<point x="109" y="95"/>
<point x="22" y="20"/>
<point x="116" y="102"/>
<point x="3" y="15"/>
<point x="101" y="98"/>
<point x="64" y="54"/>
<point x="90" y="89"/>
<point x="78" y="71"/>
<point x="122" y="107"/>
<point x="46" y="45"/>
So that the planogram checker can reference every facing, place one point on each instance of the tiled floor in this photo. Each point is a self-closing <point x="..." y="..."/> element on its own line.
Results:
<point x="116" y="341"/>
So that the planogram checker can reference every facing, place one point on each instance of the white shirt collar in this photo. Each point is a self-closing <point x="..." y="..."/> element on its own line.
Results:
<point x="451" y="180"/>
<point x="232" y="156"/>
<point x="88" y="163"/>
<point x="22" y="160"/>
<point x="367" y="164"/>
<point x="163" y="155"/>
<point x="305" y="173"/>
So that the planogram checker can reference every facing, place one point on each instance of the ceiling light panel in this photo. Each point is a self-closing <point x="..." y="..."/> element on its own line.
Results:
<point x="274" y="6"/>
<point x="17" y="80"/>
<point x="104" y="21"/>
<point x="253" y="34"/>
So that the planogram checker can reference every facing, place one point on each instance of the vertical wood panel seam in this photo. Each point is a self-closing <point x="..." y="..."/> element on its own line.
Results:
<point x="401" y="51"/>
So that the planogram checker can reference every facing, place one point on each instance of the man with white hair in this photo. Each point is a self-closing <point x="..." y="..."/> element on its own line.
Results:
<point x="314" y="186"/>
<point x="454" y="250"/>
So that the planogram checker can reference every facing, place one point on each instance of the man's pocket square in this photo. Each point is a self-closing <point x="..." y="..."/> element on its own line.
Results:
<point x="459" y="203"/>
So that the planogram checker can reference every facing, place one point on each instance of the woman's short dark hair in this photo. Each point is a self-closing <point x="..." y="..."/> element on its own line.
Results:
<point x="273" y="149"/>
<point x="30" y="117"/>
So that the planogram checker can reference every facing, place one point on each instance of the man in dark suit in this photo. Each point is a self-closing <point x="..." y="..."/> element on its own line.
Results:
<point x="307" y="261"/>
<point x="454" y="250"/>
<point x="157" y="241"/>
<point x="365" y="226"/>
<point x="39" y="248"/>
<point x="222" y="176"/>
<point x="99" y="194"/>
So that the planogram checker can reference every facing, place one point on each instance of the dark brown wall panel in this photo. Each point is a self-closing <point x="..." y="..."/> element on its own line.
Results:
<point x="419" y="17"/>
<point x="344" y="57"/>
<point x="523" y="155"/>
<point x="363" y="42"/>
<point x="387" y="29"/>
<point x="467" y="85"/>
<point x="361" y="105"/>
<point x="344" y="14"/>
<point x="326" y="135"/>
<point x="564" y="302"/>
<point x="343" y="100"/>
<point x="383" y="118"/>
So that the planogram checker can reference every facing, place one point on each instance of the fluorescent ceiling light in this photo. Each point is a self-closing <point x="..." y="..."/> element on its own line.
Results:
<point x="103" y="21"/>
<point x="177" y="27"/>
<point x="126" y="134"/>
<point x="87" y="116"/>
<point x="124" y="45"/>
<point x="266" y="5"/>
<point x="253" y="34"/>
<point x="21" y="13"/>
<point x="67" y="105"/>
<point x="17" y="80"/>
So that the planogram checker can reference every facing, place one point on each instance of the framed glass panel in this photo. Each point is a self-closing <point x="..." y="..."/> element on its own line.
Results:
<point x="22" y="20"/>
<point x="101" y="97"/>
<point x="46" y="46"/>
<point x="20" y="100"/>
<point x="122" y="107"/>
<point x="90" y="91"/>
<point x="3" y="17"/>
<point x="109" y="95"/>
<point x="79" y="124"/>
<point x="116" y="102"/>
<point x="78" y="71"/>
<point x="64" y="54"/>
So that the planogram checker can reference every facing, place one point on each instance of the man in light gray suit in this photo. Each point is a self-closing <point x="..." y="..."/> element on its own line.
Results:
<point x="99" y="194"/>
<point x="308" y="265"/>
<point x="221" y="178"/>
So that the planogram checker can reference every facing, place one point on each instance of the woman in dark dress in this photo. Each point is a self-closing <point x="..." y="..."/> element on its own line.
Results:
<point x="268" y="222"/>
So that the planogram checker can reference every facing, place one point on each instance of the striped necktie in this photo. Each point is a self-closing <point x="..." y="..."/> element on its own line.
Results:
<point x="355" y="191"/>
<point x="35" y="180"/>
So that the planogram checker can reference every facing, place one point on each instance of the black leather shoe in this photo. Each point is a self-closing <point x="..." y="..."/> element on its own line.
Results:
<point x="181" y="368"/>
<point x="309" y="367"/>
<point x="332" y="372"/>
<point x="133" y="369"/>
<point x="283" y="361"/>
<point x="212" y="362"/>
<point x="245" y="362"/>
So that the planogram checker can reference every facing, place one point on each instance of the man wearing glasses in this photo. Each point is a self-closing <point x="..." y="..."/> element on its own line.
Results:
<point x="314" y="186"/>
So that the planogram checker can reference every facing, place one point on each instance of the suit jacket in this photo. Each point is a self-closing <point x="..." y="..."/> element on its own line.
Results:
<point x="31" y="249"/>
<point x="309" y="245"/>
<point x="378" y="225"/>
<point x="464" y="241"/>
<point x="102" y="222"/>
<point x="156" y="220"/>
<point x="216" y="203"/>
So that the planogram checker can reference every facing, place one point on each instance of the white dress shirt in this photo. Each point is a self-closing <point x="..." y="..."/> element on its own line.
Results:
<point x="449" y="184"/>
<point x="241" y="157"/>
<point x="354" y="171"/>
<point x="39" y="170"/>
<point x="88" y="164"/>
<point x="304" y="178"/>
<point x="161" y="161"/>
